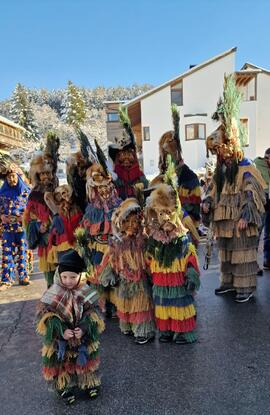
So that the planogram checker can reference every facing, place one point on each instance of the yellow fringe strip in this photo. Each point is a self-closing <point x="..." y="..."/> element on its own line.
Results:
<point x="47" y="350"/>
<point x="176" y="313"/>
<point x="62" y="380"/>
<point x="41" y="326"/>
<point x="44" y="266"/>
<point x="187" y="192"/>
<point x="98" y="320"/>
<point x="139" y="302"/>
<point x="93" y="347"/>
<point x="178" y="265"/>
<point x="97" y="246"/>
<point x="52" y="257"/>
<point x="88" y="380"/>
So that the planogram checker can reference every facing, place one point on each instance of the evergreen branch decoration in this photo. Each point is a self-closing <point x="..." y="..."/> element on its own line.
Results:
<point x="52" y="147"/>
<point x="232" y="98"/>
<point x="125" y="122"/>
<point x="176" y="120"/>
<point x="87" y="150"/>
<point x="170" y="178"/>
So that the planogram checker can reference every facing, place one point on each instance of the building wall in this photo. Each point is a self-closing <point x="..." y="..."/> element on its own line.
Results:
<point x="201" y="91"/>
<point x="263" y="114"/>
<point x="248" y="110"/>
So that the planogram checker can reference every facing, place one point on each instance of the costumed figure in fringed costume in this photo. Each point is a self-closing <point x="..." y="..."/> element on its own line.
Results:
<point x="172" y="262"/>
<point x="66" y="219"/>
<point x="76" y="166"/>
<point x="188" y="182"/>
<point x="70" y="323"/>
<point x="37" y="216"/>
<point x="133" y="299"/>
<point x="235" y="199"/>
<point x="13" y="199"/>
<point x="124" y="156"/>
<point x="185" y="218"/>
<point x="95" y="231"/>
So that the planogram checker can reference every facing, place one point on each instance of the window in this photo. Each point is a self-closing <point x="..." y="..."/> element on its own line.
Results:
<point x="112" y="116"/>
<point x="177" y="94"/>
<point x="146" y="133"/>
<point x="244" y="124"/>
<point x="195" y="132"/>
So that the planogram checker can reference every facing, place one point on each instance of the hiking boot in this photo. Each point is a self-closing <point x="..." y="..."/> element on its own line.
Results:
<point x="165" y="338"/>
<point x="243" y="298"/>
<point x="224" y="290"/>
<point x="179" y="338"/>
<point x="93" y="393"/>
<point x="67" y="396"/>
<point x="128" y="332"/>
<point x="259" y="272"/>
<point x="143" y="340"/>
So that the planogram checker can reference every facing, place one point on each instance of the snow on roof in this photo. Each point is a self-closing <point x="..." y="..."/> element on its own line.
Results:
<point x="5" y="120"/>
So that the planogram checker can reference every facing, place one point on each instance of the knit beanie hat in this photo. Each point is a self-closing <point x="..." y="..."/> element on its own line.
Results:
<point x="71" y="261"/>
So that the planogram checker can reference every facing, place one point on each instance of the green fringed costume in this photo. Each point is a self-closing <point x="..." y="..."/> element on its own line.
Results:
<point x="74" y="362"/>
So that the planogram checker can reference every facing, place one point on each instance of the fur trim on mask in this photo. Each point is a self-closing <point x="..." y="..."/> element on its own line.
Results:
<point x="127" y="207"/>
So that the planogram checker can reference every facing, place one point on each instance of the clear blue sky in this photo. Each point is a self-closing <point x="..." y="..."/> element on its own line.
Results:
<point x="44" y="43"/>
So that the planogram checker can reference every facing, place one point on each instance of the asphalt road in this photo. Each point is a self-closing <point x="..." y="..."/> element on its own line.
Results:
<point x="226" y="373"/>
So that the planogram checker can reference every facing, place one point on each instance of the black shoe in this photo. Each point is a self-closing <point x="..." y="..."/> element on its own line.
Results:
<point x="143" y="340"/>
<point x="128" y="332"/>
<point x="266" y="266"/>
<point x="243" y="298"/>
<point x="24" y="282"/>
<point x="68" y="397"/>
<point x="223" y="290"/>
<point x="165" y="338"/>
<point x="259" y="272"/>
<point x="93" y="393"/>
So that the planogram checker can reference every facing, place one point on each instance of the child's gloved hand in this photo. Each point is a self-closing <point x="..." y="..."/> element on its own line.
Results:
<point x="78" y="333"/>
<point x="68" y="334"/>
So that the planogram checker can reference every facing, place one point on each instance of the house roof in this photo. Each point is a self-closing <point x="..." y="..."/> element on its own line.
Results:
<point x="251" y="67"/>
<point x="181" y="76"/>
<point x="5" y="120"/>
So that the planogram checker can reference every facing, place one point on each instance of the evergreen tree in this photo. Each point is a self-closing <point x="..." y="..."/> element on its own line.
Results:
<point x="74" y="112"/>
<point x="22" y="112"/>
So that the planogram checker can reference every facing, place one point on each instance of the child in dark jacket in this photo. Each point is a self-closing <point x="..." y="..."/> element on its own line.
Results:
<point x="69" y="321"/>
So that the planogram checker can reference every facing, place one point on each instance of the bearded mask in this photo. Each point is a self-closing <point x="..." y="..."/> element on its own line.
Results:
<point x="126" y="158"/>
<point x="168" y="145"/>
<point x="98" y="182"/>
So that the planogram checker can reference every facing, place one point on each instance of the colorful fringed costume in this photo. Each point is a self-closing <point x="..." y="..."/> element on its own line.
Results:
<point x="132" y="295"/>
<point x="124" y="157"/>
<point x="187" y="181"/>
<point x="74" y="362"/>
<point x="37" y="216"/>
<point x="13" y="198"/>
<point x="173" y="266"/>
<point x="67" y="217"/>
<point x="235" y="199"/>
<point x="95" y="231"/>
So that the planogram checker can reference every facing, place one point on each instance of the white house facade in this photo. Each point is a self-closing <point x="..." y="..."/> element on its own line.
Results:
<point x="196" y="93"/>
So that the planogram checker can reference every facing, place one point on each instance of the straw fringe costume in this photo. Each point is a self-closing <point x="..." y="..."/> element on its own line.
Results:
<point x="173" y="266"/>
<point x="132" y="295"/>
<point x="74" y="362"/>
<point x="235" y="197"/>
<point x="67" y="217"/>
<point x="37" y="212"/>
